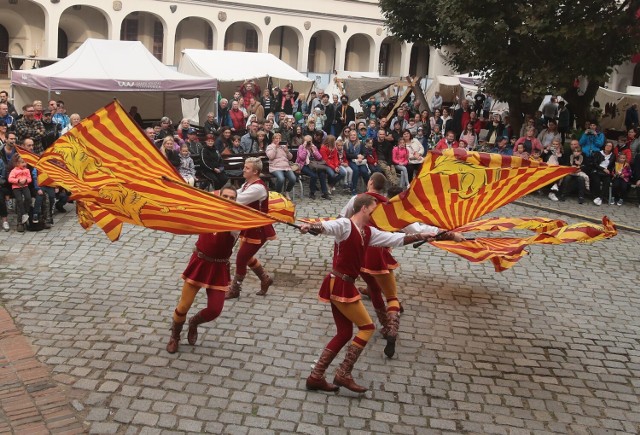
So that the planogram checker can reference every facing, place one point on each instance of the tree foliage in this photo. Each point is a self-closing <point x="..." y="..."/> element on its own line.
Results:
<point x="523" y="49"/>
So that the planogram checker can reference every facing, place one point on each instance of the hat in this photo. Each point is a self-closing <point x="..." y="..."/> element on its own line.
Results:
<point x="352" y="123"/>
<point x="420" y="128"/>
<point x="46" y="112"/>
<point x="192" y="131"/>
<point x="504" y="138"/>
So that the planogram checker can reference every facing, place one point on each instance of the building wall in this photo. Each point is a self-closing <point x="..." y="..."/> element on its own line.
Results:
<point x="33" y="28"/>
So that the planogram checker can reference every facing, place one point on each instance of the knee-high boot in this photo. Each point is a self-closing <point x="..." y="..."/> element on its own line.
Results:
<point x="343" y="376"/>
<point x="235" y="288"/>
<point x="265" y="279"/>
<point x="392" y="336"/>
<point x="192" y="333"/>
<point x="174" y="340"/>
<point x="384" y="321"/>
<point x="316" y="380"/>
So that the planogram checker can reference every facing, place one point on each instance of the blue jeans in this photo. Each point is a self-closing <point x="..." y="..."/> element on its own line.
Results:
<point x="358" y="171"/>
<point x="290" y="176"/>
<point x="333" y="177"/>
<point x="313" y="175"/>
<point x="38" y="210"/>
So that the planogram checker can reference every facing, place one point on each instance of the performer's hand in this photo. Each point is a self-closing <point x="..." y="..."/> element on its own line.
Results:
<point x="304" y="228"/>
<point x="457" y="237"/>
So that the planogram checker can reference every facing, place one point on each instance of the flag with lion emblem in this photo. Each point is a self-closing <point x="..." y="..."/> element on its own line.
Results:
<point x="118" y="176"/>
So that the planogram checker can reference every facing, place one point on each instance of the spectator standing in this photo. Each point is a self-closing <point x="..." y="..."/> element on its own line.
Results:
<point x="29" y="127"/>
<point x="279" y="157"/>
<point x="631" y="117"/>
<point x="436" y="102"/>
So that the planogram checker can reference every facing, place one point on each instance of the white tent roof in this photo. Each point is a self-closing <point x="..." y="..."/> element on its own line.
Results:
<point x="232" y="68"/>
<point x="100" y="70"/>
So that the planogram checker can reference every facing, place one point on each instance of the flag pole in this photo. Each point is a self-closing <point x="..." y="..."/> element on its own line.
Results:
<point x="180" y="183"/>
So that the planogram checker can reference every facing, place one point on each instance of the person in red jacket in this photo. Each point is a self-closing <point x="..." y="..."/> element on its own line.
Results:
<point x="449" y="141"/>
<point x="238" y="122"/>
<point x="329" y="154"/>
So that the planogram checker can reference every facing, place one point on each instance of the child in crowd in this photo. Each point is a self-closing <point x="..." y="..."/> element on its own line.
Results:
<point x="187" y="167"/>
<point x="436" y="135"/>
<point x="576" y="160"/>
<point x="400" y="157"/>
<point x="371" y="156"/>
<point x="345" y="169"/>
<point x="320" y="118"/>
<point x="621" y="179"/>
<point x="536" y="155"/>
<point x="519" y="151"/>
<point x="372" y="129"/>
<point x="19" y="178"/>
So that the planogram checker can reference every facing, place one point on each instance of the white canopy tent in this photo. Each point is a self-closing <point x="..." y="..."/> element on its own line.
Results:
<point x="451" y="87"/>
<point x="232" y="68"/>
<point x="614" y="106"/>
<point x="100" y="70"/>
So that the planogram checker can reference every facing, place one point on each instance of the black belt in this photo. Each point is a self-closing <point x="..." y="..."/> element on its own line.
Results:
<point x="344" y="277"/>
<point x="204" y="257"/>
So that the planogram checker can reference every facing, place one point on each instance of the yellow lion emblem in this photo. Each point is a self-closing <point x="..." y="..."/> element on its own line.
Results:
<point x="77" y="160"/>
<point x="472" y="177"/>
<point x="129" y="202"/>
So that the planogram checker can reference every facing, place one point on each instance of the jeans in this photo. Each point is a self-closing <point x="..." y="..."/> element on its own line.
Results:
<point x="347" y="175"/>
<point x="358" y="171"/>
<point x="23" y="201"/>
<point x="600" y="183"/>
<point x="290" y="176"/>
<point x="313" y="178"/>
<point x="333" y="177"/>
<point x="42" y="208"/>
<point x="404" y="176"/>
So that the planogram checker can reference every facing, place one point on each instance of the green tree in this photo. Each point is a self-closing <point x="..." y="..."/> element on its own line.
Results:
<point x="524" y="49"/>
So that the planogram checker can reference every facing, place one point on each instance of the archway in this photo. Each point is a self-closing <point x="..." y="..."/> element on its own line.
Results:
<point x="193" y="32"/>
<point x="242" y="36"/>
<point x="24" y="22"/>
<point x="146" y="28"/>
<point x="77" y="23"/>
<point x="284" y="43"/>
<point x="323" y="47"/>
<point x="390" y="57"/>
<point x="419" y="62"/>
<point x="4" y="51"/>
<point x="358" y="53"/>
<point x="636" y="75"/>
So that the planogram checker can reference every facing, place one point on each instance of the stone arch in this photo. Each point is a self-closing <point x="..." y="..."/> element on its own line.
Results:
<point x="146" y="27"/>
<point x="358" y="52"/>
<point x="80" y="22"/>
<point x="243" y="36"/>
<point x="26" y="36"/>
<point x="194" y="32"/>
<point x="284" y="43"/>
<point x="419" y="60"/>
<point x="324" y="46"/>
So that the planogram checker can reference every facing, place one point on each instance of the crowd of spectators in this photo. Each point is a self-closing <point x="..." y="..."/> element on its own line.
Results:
<point x="320" y="139"/>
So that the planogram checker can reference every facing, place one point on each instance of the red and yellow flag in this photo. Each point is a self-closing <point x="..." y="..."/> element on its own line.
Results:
<point x="109" y="164"/>
<point x="281" y="207"/>
<point x="455" y="187"/>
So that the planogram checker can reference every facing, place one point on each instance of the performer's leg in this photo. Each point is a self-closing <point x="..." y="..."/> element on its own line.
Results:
<point x="245" y="253"/>
<point x="356" y="313"/>
<point x="265" y="279"/>
<point x="189" y="292"/>
<point x="387" y="282"/>
<point x="215" y="303"/>
<point x="375" y="293"/>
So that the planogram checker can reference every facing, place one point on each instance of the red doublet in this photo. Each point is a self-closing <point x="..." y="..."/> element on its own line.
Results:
<point x="258" y="235"/>
<point x="378" y="260"/>
<point x="211" y="274"/>
<point x="347" y="260"/>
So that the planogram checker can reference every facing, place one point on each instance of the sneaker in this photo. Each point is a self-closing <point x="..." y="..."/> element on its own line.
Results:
<point x="5" y="226"/>
<point x="25" y="218"/>
<point x="554" y="188"/>
<point x="326" y="196"/>
<point x="552" y="196"/>
<point x="597" y="201"/>
<point x="620" y="202"/>
<point x="581" y="201"/>
<point x="611" y="201"/>
<point x="35" y="219"/>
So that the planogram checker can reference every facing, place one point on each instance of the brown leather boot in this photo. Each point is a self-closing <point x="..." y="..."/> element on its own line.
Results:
<point x="235" y="288"/>
<point x="384" y="321"/>
<point x="265" y="279"/>
<point x="174" y="340"/>
<point x="192" y="333"/>
<point x="343" y="376"/>
<point x="316" y="380"/>
<point x="394" y="324"/>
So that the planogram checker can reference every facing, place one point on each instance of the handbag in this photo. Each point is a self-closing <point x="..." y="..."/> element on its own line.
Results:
<point x="295" y="167"/>
<point x="318" y="165"/>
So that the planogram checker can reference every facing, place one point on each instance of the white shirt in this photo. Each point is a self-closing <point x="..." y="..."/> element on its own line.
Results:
<point x="341" y="230"/>
<point x="255" y="192"/>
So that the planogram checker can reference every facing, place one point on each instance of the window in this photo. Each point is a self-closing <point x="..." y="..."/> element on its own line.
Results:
<point x="129" y="30"/>
<point x="63" y="44"/>
<point x="209" y="37"/>
<point x="383" y="65"/>
<point x="313" y="46"/>
<point x="251" y="41"/>
<point x="4" y="48"/>
<point x="158" y="40"/>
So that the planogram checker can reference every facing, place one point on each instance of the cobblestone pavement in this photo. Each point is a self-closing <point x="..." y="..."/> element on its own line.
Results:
<point x="550" y="346"/>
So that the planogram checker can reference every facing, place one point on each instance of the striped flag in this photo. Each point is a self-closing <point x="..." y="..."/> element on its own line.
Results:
<point x="281" y="207"/>
<point x="505" y="252"/>
<point x="110" y="165"/>
<point x="455" y="187"/>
